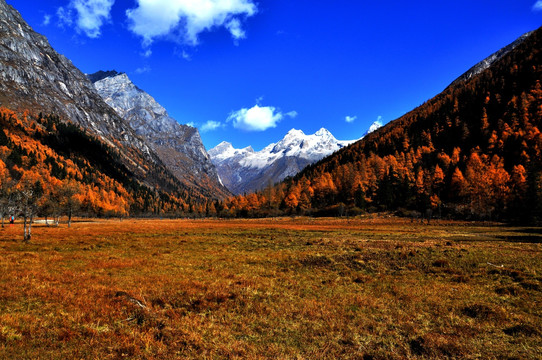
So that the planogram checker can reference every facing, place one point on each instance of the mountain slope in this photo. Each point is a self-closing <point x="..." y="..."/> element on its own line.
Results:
<point x="33" y="76"/>
<point x="244" y="170"/>
<point x="475" y="150"/>
<point x="67" y="169"/>
<point x="179" y="146"/>
<point x="487" y="62"/>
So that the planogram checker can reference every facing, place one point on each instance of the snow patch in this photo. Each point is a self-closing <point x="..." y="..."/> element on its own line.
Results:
<point x="64" y="88"/>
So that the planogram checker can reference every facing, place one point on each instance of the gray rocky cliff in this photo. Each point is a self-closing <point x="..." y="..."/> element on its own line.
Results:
<point x="179" y="146"/>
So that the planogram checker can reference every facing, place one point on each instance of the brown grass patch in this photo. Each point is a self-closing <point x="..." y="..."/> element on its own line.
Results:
<point x="372" y="288"/>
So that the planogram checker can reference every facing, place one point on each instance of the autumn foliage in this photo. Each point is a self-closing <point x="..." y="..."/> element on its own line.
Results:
<point x="473" y="151"/>
<point x="59" y="169"/>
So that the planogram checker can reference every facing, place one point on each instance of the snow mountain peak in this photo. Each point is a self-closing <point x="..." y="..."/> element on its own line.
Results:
<point x="244" y="170"/>
<point x="323" y="132"/>
<point x="294" y="133"/>
<point x="224" y="144"/>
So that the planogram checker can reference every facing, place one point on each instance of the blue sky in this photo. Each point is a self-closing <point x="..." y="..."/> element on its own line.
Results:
<point x="247" y="71"/>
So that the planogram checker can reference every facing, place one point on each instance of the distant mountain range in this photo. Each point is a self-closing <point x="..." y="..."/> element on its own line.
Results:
<point x="245" y="170"/>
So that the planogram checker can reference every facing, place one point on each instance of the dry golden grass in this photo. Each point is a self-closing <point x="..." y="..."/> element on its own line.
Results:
<point x="285" y="288"/>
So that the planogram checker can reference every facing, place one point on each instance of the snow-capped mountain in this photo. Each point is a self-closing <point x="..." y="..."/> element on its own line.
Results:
<point x="179" y="146"/>
<point x="246" y="170"/>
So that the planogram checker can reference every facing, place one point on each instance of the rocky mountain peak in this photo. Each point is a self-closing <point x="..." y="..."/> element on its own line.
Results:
<point x="179" y="146"/>
<point x="100" y="75"/>
<point x="140" y="109"/>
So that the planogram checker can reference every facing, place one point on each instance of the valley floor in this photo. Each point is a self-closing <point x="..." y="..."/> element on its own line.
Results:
<point x="373" y="288"/>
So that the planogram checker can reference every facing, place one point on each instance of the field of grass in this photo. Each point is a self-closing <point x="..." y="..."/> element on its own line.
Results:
<point x="282" y="289"/>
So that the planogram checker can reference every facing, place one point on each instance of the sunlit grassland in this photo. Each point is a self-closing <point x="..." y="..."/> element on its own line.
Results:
<point x="284" y="288"/>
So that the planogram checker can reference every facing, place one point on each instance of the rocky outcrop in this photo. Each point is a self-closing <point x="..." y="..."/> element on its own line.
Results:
<point x="179" y="146"/>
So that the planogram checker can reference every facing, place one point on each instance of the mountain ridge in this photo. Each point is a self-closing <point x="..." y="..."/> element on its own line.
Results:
<point x="245" y="170"/>
<point x="491" y="59"/>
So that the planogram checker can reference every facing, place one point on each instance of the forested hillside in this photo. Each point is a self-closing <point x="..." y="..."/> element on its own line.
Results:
<point x="473" y="151"/>
<point x="52" y="168"/>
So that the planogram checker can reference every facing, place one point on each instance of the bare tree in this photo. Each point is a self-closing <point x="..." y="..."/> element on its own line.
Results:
<point x="30" y="193"/>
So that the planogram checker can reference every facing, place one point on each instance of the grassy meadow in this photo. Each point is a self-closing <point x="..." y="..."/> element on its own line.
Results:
<point x="373" y="288"/>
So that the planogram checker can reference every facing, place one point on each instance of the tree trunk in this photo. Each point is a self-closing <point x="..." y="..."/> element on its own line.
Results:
<point x="26" y="238"/>
<point x="69" y="218"/>
<point x="3" y="221"/>
<point x="30" y="227"/>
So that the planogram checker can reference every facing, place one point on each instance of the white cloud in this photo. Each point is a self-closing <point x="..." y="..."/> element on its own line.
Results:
<point x="234" y="27"/>
<point x="143" y="70"/>
<point x="147" y="53"/>
<point x="188" y="18"/>
<point x="211" y="126"/>
<point x="191" y="124"/>
<point x="65" y="16"/>
<point x="537" y="6"/>
<point x="88" y="15"/>
<point x="291" y="114"/>
<point x="186" y="56"/>
<point x="350" y="119"/>
<point x="257" y="118"/>
<point x="46" y="19"/>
